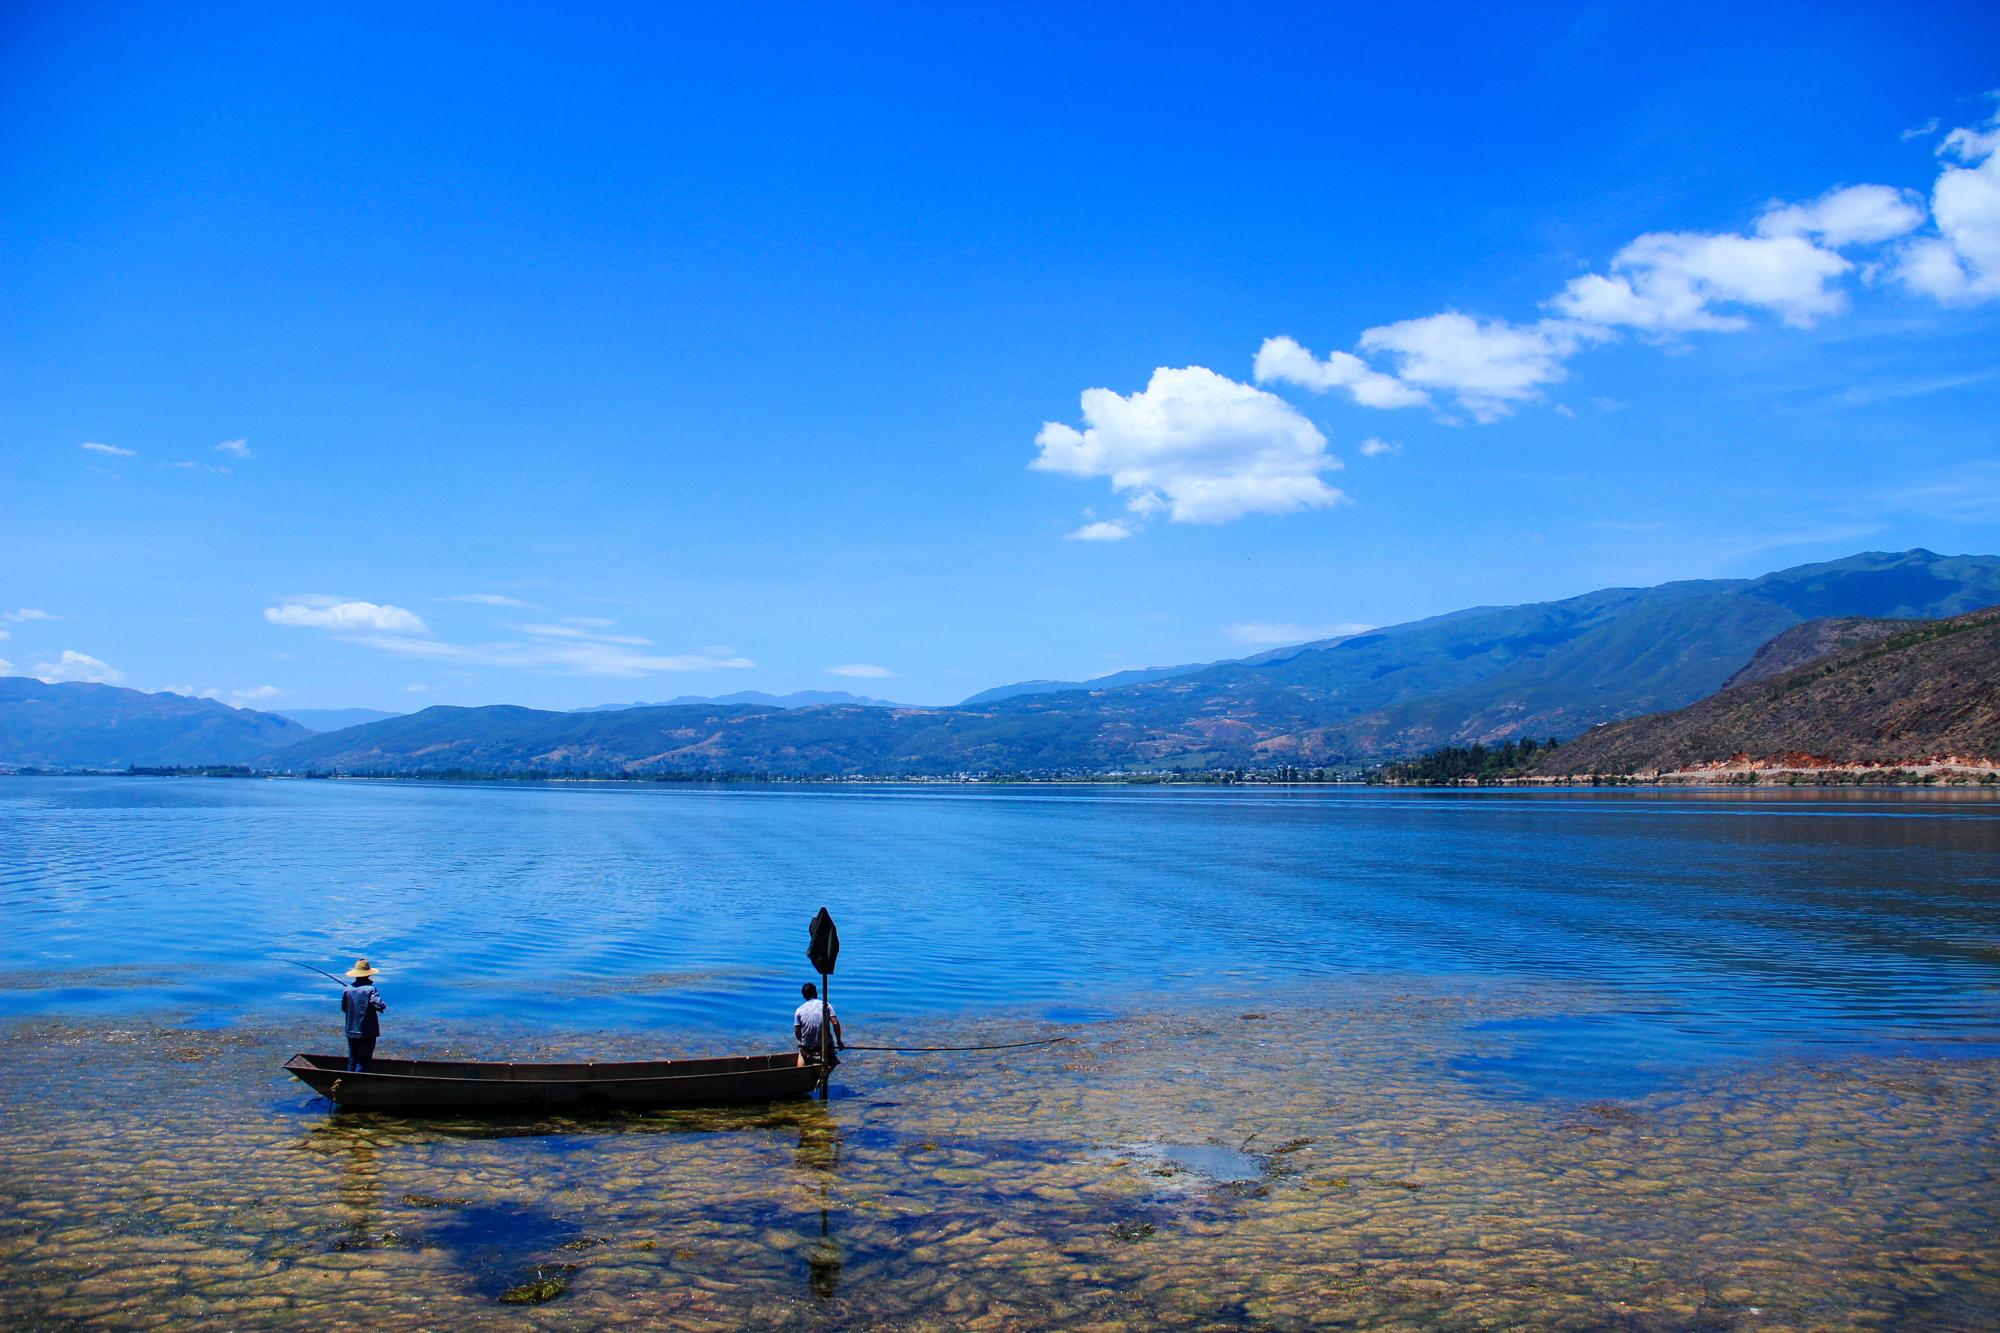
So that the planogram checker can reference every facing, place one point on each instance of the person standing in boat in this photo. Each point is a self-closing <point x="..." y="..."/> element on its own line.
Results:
<point x="806" y="1021"/>
<point x="360" y="1002"/>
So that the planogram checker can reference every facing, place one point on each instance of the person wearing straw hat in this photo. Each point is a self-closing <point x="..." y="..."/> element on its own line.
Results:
<point x="360" y="1002"/>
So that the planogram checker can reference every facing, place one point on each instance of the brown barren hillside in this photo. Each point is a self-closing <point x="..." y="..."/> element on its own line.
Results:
<point x="1811" y="641"/>
<point x="1923" y="693"/>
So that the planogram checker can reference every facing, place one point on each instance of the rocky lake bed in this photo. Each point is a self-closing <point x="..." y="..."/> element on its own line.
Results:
<point x="1345" y="1162"/>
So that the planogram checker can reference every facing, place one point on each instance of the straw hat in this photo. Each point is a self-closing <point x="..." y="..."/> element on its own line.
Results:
<point x="361" y="969"/>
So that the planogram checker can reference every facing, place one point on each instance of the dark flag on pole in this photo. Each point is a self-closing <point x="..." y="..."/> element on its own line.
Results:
<point x="825" y="946"/>
<point x="823" y="950"/>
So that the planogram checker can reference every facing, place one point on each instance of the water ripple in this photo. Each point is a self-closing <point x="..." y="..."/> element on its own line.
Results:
<point x="1716" y="921"/>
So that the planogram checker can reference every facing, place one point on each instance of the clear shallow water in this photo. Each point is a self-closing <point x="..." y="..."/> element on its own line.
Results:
<point x="1218" y="1167"/>
<point x="1301" y="1024"/>
<point x="1687" y="924"/>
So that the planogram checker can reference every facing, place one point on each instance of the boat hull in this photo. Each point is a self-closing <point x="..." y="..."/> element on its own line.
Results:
<point x="466" y="1084"/>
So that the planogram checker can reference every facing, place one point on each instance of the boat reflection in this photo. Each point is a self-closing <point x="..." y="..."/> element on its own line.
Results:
<point x="392" y="1189"/>
<point x="405" y="1126"/>
<point x="360" y="1193"/>
<point x="817" y="1158"/>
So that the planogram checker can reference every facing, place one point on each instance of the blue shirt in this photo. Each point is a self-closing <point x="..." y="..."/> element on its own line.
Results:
<point x="361" y="1004"/>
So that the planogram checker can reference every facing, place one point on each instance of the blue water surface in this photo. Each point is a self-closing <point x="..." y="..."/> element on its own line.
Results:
<point x="1687" y="923"/>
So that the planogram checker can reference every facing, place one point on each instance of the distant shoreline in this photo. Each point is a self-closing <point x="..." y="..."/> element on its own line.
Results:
<point x="1940" y="771"/>
<point x="1721" y="775"/>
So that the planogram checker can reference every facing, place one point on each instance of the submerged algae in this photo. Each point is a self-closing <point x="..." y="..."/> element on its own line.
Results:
<point x="966" y="1193"/>
<point x="545" y="1285"/>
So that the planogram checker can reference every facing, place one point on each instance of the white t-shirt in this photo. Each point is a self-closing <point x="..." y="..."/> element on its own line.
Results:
<point x="805" y="1023"/>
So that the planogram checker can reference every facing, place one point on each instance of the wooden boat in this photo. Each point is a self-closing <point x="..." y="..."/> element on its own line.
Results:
<point x="469" y="1084"/>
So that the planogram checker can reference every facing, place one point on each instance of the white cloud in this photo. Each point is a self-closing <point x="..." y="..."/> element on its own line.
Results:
<point x="490" y="599"/>
<point x="234" y="448"/>
<point x="1857" y="215"/>
<point x="6" y="634"/>
<point x="73" y="665"/>
<point x="1922" y="131"/>
<point x="1662" y="283"/>
<point x="324" y="613"/>
<point x="1961" y="264"/>
<point x="112" y="450"/>
<point x="1489" y="366"/>
<point x="1930" y="266"/>
<point x="1285" y="361"/>
<point x="1197" y="445"/>
<point x="586" y="635"/>
<point x="417" y="689"/>
<point x="6" y="667"/>
<point x="238" y="698"/>
<point x="485" y="655"/>
<point x="1671" y="282"/>
<point x="27" y="613"/>
<point x="190" y="465"/>
<point x="1106" y="530"/>
<point x="1969" y="494"/>
<point x="1207" y="449"/>
<point x="568" y="657"/>
<point x="1893" y="390"/>
<point x="861" y="671"/>
<point x="1373" y="447"/>
<point x="1277" y="633"/>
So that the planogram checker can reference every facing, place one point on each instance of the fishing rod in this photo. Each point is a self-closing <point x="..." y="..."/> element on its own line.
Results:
<point x="995" y="1046"/>
<point x="850" y="1046"/>
<point x="310" y="968"/>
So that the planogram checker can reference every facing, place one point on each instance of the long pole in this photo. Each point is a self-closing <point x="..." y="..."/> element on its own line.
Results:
<point x="825" y="1036"/>
<point x="328" y="975"/>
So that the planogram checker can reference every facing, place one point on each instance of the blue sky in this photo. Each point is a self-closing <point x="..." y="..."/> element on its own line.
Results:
<point x="449" y="355"/>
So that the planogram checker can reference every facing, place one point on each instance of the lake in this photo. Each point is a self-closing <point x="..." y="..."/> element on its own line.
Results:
<point x="1715" y="1057"/>
<point x="1689" y="924"/>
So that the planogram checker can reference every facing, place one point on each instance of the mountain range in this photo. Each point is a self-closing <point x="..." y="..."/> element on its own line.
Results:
<point x="1486" y="673"/>
<point x="1135" y="676"/>
<point x="74" y="725"/>
<point x="1477" y="675"/>
<point x="796" y="699"/>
